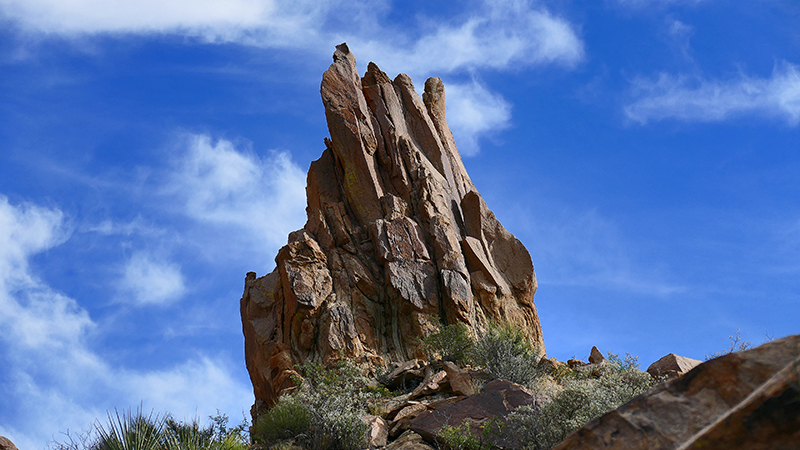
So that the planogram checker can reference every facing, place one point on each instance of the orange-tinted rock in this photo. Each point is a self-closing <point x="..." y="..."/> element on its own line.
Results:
<point x="397" y="240"/>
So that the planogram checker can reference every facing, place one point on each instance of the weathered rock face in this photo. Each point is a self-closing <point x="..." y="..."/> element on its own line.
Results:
<point x="396" y="237"/>
<point x="748" y="400"/>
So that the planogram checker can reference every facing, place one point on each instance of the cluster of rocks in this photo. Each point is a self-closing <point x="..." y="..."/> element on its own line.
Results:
<point x="440" y="394"/>
<point x="443" y="394"/>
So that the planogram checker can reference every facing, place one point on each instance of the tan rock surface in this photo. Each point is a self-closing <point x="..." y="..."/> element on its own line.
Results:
<point x="748" y="400"/>
<point x="397" y="238"/>
<point x="672" y="366"/>
<point x="6" y="444"/>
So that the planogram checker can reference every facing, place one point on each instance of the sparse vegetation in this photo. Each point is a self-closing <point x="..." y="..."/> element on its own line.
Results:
<point x="451" y="343"/>
<point x="460" y="437"/>
<point x="504" y="351"/>
<point x="581" y="397"/>
<point x="134" y="430"/>
<point x="737" y="345"/>
<point x="324" y="413"/>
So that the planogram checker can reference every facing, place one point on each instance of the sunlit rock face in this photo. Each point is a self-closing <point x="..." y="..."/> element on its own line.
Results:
<point x="397" y="238"/>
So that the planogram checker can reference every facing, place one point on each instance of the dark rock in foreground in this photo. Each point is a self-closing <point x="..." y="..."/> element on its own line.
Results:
<point x="745" y="400"/>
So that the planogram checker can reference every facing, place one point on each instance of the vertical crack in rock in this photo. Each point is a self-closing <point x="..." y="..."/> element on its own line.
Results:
<point x="397" y="238"/>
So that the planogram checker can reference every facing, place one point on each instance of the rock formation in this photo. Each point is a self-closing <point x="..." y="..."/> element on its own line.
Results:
<point x="748" y="400"/>
<point x="397" y="239"/>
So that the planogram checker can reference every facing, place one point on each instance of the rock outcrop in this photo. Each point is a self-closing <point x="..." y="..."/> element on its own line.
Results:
<point x="6" y="444"/>
<point x="672" y="365"/>
<point x="748" y="400"/>
<point x="397" y="239"/>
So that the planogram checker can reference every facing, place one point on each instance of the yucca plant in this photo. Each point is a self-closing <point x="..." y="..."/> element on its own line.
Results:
<point x="131" y="431"/>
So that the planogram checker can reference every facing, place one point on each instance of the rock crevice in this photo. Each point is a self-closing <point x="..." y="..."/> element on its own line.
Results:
<point x="397" y="239"/>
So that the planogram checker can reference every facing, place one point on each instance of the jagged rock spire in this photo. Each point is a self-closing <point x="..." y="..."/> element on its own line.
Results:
<point x="397" y="238"/>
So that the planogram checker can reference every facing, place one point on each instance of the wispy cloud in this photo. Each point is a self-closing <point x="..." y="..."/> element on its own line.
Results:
<point x="48" y="360"/>
<point x="486" y="35"/>
<point x="703" y="100"/>
<point x="497" y="35"/>
<point x="584" y="248"/>
<point x="220" y="184"/>
<point x="473" y="112"/>
<point x="150" y="280"/>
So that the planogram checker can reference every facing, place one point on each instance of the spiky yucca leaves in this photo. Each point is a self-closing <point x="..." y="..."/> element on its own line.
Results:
<point x="136" y="431"/>
<point x="131" y="431"/>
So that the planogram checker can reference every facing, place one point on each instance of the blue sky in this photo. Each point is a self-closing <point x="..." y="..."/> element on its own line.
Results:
<point x="152" y="152"/>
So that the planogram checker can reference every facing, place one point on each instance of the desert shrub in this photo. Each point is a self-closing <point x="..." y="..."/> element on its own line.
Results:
<point x="459" y="437"/>
<point x="451" y="343"/>
<point x="581" y="399"/>
<point x="330" y="400"/>
<point x="737" y="345"/>
<point x="505" y="352"/>
<point x="288" y="419"/>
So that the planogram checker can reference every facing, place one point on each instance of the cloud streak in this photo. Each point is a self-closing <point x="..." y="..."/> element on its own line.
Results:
<point x="492" y="35"/>
<point x="149" y="280"/>
<point x="222" y="185"/>
<point x="53" y="379"/>
<point x="702" y="100"/>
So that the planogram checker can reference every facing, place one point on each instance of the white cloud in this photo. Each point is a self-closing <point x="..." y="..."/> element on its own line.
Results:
<point x="498" y="35"/>
<point x="137" y="226"/>
<point x="53" y="381"/>
<point x="473" y="111"/>
<point x="493" y="35"/>
<point x="698" y="99"/>
<point x="222" y="185"/>
<point x="149" y="280"/>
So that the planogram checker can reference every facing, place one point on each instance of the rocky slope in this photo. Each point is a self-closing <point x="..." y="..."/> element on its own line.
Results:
<point x="397" y="238"/>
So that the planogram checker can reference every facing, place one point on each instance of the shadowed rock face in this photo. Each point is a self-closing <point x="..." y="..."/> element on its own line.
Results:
<point x="396" y="236"/>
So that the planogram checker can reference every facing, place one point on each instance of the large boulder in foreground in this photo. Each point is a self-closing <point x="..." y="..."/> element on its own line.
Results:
<point x="744" y="400"/>
<point x="397" y="238"/>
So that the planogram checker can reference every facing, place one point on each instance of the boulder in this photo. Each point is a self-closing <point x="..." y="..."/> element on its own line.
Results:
<point x="596" y="357"/>
<point x="748" y="400"/>
<point x="378" y="431"/>
<point x="6" y="444"/>
<point x="397" y="240"/>
<point x="460" y="380"/>
<point x="671" y="366"/>
<point x="409" y="441"/>
<point x="496" y="401"/>
<point x="551" y="364"/>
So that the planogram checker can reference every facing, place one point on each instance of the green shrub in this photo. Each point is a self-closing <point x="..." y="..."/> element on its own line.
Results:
<point x="450" y="343"/>
<point x="288" y="419"/>
<point x="505" y="352"/>
<point x="460" y="437"/>
<point x="324" y="413"/>
<point x="581" y="399"/>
